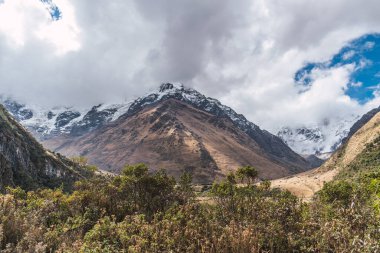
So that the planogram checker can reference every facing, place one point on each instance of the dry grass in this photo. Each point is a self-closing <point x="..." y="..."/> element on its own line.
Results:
<point x="306" y="184"/>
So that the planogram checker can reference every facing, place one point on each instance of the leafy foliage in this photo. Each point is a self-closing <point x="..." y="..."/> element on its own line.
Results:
<point x="140" y="211"/>
<point x="247" y="173"/>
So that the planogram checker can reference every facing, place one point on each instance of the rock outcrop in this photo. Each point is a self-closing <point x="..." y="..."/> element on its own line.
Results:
<point x="25" y="163"/>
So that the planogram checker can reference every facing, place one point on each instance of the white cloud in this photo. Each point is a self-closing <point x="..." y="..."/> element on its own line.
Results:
<point x="244" y="52"/>
<point x="23" y="21"/>
<point x="374" y="87"/>
<point x="15" y="15"/>
<point x="369" y="45"/>
<point x="348" y="55"/>
<point x="357" y="84"/>
<point x="63" y="35"/>
<point x="285" y="105"/>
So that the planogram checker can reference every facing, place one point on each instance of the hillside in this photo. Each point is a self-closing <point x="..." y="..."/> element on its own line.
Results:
<point x="59" y="126"/>
<point x="355" y="147"/>
<point x="360" y="123"/>
<point x="179" y="137"/>
<point x="25" y="163"/>
<point x="138" y="211"/>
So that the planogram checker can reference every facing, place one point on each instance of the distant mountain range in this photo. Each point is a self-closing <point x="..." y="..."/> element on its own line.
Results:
<point x="325" y="139"/>
<point x="180" y="129"/>
<point x="320" y="140"/>
<point x="174" y="127"/>
<point x="358" y="154"/>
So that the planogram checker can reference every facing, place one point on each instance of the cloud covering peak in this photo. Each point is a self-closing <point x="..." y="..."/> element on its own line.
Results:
<point x="243" y="52"/>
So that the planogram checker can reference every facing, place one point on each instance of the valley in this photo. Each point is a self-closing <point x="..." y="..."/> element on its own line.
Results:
<point x="241" y="126"/>
<point x="173" y="162"/>
<point x="364" y="132"/>
<point x="174" y="127"/>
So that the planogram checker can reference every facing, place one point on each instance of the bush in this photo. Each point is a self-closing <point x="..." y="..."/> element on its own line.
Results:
<point x="140" y="211"/>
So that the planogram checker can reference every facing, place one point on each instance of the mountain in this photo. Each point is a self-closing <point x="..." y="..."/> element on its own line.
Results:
<point x="360" y="123"/>
<point x="112" y="135"/>
<point x="319" y="140"/>
<point x="45" y="123"/>
<point x="25" y="163"/>
<point x="363" y="136"/>
<point x="179" y="137"/>
<point x="48" y="123"/>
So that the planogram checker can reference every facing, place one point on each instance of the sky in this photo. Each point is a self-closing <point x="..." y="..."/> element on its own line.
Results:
<point x="278" y="62"/>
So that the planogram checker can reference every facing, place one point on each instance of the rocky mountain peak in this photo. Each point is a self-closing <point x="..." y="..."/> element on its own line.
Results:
<point x="169" y="86"/>
<point x="47" y="124"/>
<point x="176" y="135"/>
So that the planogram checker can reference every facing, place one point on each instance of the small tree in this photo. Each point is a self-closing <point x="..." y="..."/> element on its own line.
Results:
<point x="81" y="160"/>
<point x="231" y="178"/>
<point x="150" y="192"/>
<point x="265" y="185"/>
<point x="247" y="173"/>
<point x="135" y="171"/>
<point x="224" y="193"/>
<point x="185" y="186"/>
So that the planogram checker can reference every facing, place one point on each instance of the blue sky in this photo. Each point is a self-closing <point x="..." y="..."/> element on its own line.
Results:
<point x="364" y="53"/>
<point x="55" y="12"/>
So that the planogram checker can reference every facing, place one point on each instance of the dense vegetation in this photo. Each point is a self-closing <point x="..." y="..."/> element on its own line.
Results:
<point x="142" y="212"/>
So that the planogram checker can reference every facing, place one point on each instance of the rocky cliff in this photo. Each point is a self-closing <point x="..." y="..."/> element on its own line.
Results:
<point x="25" y="163"/>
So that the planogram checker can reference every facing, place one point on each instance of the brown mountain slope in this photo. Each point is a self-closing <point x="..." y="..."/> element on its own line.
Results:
<point x="306" y="184"/>
<point x="178" y="137"/>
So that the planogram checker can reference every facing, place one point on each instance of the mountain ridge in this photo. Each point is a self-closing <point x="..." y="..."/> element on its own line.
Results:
<point x="25" y="163"/>
<point x="74" y="122"/>
<point x="360" y="123"/>
<point x="319" y="140"/>
<point x="178" y="137"/>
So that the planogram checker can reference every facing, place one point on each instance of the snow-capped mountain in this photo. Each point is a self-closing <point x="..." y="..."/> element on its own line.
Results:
<point x="45" y="123"/>
<point x="48" y="123"/>
<point x="69" y="120"/>
<point x="179" y="129"/>
<point x="320" y="140"/>
<point x="194" y="98"/>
